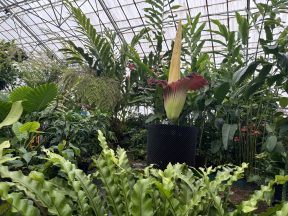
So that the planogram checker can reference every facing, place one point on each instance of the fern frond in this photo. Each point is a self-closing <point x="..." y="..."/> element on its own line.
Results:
<point x="81" y="184"/>
<point x="159" y="14"/>
<point x="264" y="193"/>
<point x="70" y="80"/>
<point x="109" y="175"/>
<point x="126" y="180"/>
<point x="141" y="202"/>
<point x="101" y="92"/>
<point x="283" y="210"/>
<point x="39" y="191"/>
<point x="166" y="185"/>
<point x="17" y="203"/>
<point x="136" y="39"/>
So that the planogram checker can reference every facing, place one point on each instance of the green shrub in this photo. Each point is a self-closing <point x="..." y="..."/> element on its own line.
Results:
<point x="10" y="55"/>
<point x="177" y="190"/>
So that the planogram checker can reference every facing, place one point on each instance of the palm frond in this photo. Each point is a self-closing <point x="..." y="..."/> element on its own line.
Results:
<point x="98" y="45"/>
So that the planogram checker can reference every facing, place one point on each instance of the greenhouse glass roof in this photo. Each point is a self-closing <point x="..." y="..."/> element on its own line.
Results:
<point x="38" y="25"/>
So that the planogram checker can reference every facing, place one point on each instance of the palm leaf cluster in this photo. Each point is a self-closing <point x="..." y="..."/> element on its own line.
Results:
<point x="33" y="99"/>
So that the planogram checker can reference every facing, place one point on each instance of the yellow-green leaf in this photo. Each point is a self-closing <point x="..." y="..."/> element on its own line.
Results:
<point x="14" y="114"/>
<point x="174" y="71"/>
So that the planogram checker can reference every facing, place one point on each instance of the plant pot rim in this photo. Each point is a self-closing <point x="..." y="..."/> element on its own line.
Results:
<point x="172" y="126"/>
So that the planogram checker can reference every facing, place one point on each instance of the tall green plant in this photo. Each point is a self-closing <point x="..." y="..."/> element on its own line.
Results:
<point x="197" y="61"/>
<point x="158" y="16"/>
<point x="97" y="45"/>
<point x="99" y="58"/>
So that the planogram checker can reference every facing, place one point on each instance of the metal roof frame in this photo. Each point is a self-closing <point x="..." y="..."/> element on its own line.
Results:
<point x="39" y="25"/>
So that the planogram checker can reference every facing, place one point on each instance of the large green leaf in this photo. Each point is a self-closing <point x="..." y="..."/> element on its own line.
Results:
<point x="35" y="99"/>
<point x="265" y="70"/>
<point x="271" y="143"/>
<point x="243" y="73"/>
<point x="222" y="29"/>
<point x="4" y="145"/>
<point x="141" y="203"/>
<point x="254" y="88"/>
<point x="16" y="130"/>
<point x="259" y="81"/>
<point x="5" y="107"/>
<point x="14" y="114"/>
<point x="221" y="91"/>
<point x="29" y="127"/>
<point x="3" y="158"/>
<point x="282" y="60"/>
<point x="228" y="131"/>
<point x="243" y="28"/>
<point x="268" y="31"/>
<point x="283" y="101"/>
<point x="20" y="93"/>
<point x="276" y="79"/>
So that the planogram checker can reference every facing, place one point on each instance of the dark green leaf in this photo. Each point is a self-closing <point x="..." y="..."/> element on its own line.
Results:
<point x="228" y="131"/>
<point x="222" y="29"/>
<point x="245" y="72"/>
<point x="265" y="70"/>
<point x="221" y="91"/>
<point x="254" y="87"/>
<point x="283" y="101"/>
<point x="268" y="31"/>
<point x="35" y="99"/>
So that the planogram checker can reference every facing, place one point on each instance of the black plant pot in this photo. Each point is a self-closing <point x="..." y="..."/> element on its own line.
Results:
<point x="277" y="193"/>
<point x="171" y="144"/>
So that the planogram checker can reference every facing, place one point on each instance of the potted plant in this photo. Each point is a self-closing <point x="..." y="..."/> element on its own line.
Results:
<point x="172" y="142"/>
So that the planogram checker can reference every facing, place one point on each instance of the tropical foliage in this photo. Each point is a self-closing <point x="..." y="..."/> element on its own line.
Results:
<point x="54" y="159"/>
<point x="43" y="69"/>
<point x="177" y="190"/>
<point x="10" y="55"/>
<point x="33" y="99"/>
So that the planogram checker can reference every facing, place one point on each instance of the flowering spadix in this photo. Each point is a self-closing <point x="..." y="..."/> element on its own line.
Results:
<point x="175" y="90"/>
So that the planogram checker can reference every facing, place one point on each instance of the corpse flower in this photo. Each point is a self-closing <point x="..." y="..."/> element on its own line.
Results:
<point x="175" y="90"/>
